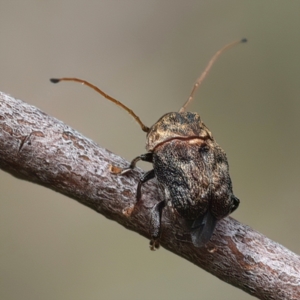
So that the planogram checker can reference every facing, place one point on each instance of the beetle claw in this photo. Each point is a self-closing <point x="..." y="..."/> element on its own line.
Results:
<point x="124" y="171"/>
<point x="154" y="244"/>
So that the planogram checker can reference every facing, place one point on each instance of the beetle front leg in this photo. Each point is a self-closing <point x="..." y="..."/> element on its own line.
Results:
<point x="148" y="157"/>
<point x="155" y="224"/>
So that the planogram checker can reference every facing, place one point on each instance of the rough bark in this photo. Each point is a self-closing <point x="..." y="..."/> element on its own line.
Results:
<point x="42" y="149"/>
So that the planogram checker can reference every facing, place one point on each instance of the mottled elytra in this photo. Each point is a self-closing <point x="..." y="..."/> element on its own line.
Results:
<point x="191" y="168"/>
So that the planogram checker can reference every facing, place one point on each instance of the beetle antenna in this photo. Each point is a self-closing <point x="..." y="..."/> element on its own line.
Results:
<point x="207" y="69"/>
<point x="144" y="127"/>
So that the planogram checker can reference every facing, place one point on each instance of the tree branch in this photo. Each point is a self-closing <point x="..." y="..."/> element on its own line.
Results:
<point x="42" y="149"/>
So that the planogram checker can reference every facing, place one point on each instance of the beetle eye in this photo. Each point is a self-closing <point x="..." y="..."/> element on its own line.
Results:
<point x="203" y="149"/>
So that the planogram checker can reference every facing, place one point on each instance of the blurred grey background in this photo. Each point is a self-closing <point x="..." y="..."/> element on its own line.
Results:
<point x="147" y="54"/>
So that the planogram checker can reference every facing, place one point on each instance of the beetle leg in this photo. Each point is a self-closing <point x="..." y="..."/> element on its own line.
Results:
<point x="155" y="224"/>
<point x="144" y="157"/>
<point x="147" y="176"/>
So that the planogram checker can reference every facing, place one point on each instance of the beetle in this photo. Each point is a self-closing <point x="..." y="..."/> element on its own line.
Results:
<point x="191" y="169"/>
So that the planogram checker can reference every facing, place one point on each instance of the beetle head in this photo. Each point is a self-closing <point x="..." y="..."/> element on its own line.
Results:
<point x="176" y="125"/>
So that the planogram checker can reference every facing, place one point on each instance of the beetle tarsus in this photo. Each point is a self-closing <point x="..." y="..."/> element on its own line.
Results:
<point x="155" y="223"/>
<point x="154" y="244"/>
<point x="125" y="171"/>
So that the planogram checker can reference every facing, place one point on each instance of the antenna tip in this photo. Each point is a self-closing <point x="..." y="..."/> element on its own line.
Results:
<point x="244" y="40"/>
<point x="54" y="80"/>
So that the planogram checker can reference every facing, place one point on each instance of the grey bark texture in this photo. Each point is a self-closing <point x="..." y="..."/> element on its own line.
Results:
<point x="39" y="148"/>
